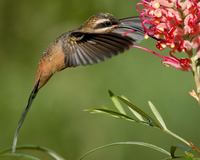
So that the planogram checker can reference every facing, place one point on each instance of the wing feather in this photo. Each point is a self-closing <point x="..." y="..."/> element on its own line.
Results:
<point x="88" y="48"/>
<point x="82" y="57"/>
<point x="93" y="53"/>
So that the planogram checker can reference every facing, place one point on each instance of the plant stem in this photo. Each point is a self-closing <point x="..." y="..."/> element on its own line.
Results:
<point x="177" y="137"/>
<point x="189" y="144"/>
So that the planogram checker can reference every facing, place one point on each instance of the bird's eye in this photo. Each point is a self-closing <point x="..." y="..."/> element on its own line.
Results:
<point x="104" y="24"/>
<point x="108" y="23"/>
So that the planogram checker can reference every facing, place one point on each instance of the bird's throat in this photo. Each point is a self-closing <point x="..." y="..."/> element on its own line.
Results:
<point x="52" y="61"/>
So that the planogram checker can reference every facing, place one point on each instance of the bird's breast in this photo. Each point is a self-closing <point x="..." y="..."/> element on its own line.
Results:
<point x="52" y="61"/>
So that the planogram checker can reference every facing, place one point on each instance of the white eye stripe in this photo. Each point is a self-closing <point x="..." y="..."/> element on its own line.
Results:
<point x="99" y="21"/>
<point x="101" y="30"/>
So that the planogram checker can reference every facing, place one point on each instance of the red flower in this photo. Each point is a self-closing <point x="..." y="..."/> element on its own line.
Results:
<point x="176" y="25"/>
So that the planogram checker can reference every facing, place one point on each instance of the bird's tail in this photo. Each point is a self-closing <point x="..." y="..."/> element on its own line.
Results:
<point x="24" y="113"/>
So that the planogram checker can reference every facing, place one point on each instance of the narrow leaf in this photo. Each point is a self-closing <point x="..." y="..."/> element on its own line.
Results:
<point x="136" y="114"/>
<point x="172" y="151"/>
<point x="150" y="120"/>
<point x="116" y="102"/>
<point x="154" y="147"/>
<point x="113" y="114"/>
<point x="157" y="115"/>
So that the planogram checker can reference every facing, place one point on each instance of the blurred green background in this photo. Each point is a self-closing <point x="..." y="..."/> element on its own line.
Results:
<point x="57" y="119"/>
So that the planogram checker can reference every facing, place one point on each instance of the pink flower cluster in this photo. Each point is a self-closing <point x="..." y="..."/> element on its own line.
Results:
<point x="176" y="25"/>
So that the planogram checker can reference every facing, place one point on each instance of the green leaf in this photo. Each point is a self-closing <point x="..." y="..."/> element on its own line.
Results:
<point x="154" y="147"/>
<point x="33" y="148"/>
<point x="150" y="120"/>
<point x="157" y="115"/>
<point x="116" y="102"/>
<point x="136" y="114"/>
<point x="173" y="150"/>
<point x="113" y="114"/>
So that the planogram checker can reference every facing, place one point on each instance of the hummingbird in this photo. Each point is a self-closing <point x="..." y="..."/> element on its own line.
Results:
<point x="97" y="39"/>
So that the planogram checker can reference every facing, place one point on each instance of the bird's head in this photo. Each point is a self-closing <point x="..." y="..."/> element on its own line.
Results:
<point x="100" y="23"/>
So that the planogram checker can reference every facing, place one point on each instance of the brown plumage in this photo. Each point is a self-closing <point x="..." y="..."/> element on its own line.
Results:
<point x="100" y="37"/>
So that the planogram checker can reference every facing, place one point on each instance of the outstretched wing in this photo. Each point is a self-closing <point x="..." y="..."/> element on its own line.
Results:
<point x="88" y="48"/>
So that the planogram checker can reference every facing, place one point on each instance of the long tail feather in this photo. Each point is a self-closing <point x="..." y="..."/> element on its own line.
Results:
<point x="23" y="116"/>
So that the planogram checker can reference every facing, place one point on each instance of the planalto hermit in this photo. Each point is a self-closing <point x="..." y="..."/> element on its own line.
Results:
<point x="100" y="37"/>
